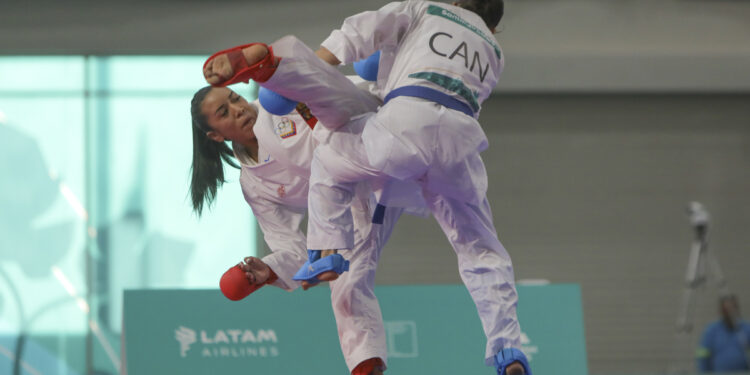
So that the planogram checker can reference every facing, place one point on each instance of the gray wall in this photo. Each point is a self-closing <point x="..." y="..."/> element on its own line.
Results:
<point x="560" y="45"/>
<point x="593" y="190"/>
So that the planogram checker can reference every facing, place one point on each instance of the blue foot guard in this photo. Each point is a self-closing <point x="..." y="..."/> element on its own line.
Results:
<point x="507" y="356"/>
<point x="316" y="265"/>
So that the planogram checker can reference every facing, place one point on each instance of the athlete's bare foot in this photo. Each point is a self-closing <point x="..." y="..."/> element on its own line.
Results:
<point x="256" y="271"/>
<point x="325" y="276"/>
<point x="219" y="69"/>
<point x="515" y="368"/>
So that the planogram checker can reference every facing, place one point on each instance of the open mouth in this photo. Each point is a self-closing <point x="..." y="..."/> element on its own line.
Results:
<point x="249" y="120"/>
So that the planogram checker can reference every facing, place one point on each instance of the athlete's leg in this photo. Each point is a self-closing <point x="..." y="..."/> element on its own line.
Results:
<point x="358" y="316"/>
<point x="330" y="95"/>
<point x="337" y="167"/>
<point x="485" y="268"/>
<point x="299" y="75"/>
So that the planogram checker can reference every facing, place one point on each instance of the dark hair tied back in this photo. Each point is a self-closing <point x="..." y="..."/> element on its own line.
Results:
<point x="207" y="171"/>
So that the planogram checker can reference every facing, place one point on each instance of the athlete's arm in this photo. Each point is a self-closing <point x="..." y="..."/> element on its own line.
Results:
<point x="327" y="56"/>
<point x="364" y="33"/>
<point x="281" y="231"/>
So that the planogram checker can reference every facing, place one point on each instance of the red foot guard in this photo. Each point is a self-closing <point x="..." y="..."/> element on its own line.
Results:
<point x="260" y="71"/>
<point x="368" y="367"/>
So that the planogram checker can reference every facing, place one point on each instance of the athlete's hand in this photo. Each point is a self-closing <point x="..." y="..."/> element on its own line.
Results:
<point x="218" y="70"/>
<point x="256" y="271"/>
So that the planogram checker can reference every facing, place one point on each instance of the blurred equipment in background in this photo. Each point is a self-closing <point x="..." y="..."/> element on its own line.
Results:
<point x="702" y="266"/>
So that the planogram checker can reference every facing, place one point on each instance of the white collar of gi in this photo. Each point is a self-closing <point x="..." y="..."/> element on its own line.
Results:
<point x="240" y="152"/>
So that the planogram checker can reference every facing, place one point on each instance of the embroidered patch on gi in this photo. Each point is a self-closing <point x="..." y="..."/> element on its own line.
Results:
<point x="285" y="128"/>
<point x="306" y="115"/>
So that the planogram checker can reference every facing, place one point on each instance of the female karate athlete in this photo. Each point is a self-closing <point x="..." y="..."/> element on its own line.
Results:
<point x="274" y="155"/>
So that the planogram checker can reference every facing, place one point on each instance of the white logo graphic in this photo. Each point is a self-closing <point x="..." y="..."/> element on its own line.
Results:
<point x="185" y="336"/>
<point x="527" y="348"/>
<point x="401" y="337"/>
<point x="233" y="343"/>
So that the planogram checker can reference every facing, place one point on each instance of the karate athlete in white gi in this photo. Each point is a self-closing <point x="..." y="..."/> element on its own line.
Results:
<point x="275" y="153"/>
<point x="439" y="62"/>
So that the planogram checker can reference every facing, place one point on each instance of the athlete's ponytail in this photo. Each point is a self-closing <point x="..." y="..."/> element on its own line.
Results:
<point x="207" y="172"/>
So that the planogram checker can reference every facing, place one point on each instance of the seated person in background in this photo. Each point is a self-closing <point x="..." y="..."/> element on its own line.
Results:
<point x="725" y="345"/>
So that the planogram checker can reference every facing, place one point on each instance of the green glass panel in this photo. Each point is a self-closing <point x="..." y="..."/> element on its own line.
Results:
<point x="94" y="186"/>
<point x="30" y="74"/>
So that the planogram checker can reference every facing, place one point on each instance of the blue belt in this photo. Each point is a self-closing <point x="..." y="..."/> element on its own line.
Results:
<point x="431" y="95"/>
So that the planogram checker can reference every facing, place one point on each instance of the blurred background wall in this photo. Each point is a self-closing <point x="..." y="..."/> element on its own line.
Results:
<point x="610" y="117"/>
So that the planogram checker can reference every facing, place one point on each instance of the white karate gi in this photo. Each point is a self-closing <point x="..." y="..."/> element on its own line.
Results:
<point x="276" y="188"/>
<point x="422" y="43"/>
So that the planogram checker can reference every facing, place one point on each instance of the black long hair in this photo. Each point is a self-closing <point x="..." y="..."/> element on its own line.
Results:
<point x="207" y="171"/>
<point x="491" y="11"/>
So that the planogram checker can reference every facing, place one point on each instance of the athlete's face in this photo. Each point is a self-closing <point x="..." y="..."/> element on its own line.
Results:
<point x="229" y="115"/>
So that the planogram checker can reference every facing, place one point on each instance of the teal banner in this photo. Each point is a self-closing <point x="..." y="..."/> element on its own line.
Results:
<point x="430" y="329"/>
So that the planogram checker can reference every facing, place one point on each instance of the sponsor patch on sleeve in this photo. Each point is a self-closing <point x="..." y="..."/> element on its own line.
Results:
<point x="285" y="128"/>
<point x="306" y="115"/>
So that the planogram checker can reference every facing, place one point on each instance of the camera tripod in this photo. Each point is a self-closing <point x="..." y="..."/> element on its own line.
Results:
<point x="703" y="268"/>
